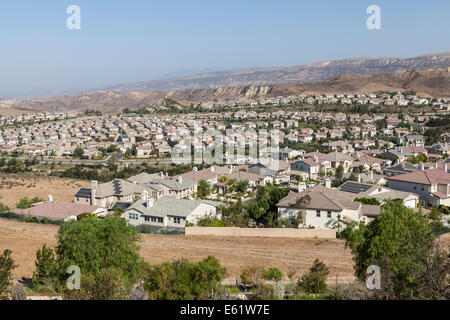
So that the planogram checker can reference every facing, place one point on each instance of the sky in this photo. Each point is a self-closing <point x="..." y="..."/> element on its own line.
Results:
<point x="139" y="40"/>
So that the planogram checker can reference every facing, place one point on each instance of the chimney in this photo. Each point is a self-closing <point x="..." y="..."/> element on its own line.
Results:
<point x="93" y="193"/>
<point x="144" y="195"/>
<point x="359" y="178"/>
<point x="301" y="186"/>
<point x="149" y="203"/>
<point x="371" y="175"/>
<point x="445" y="167"/>
<point x="194" y="169"/>
<point x="435" y="165"/>
<point x="180" y="179"/>
<point x="161" y="174"/>
<point x="212" y="169"/>
<point x="421" y="167"/>
<point x="134" y="182"/>
<point x="50" y="198"/>
<point x="328" y="183"/>
<point x="316" y="158"/>
<point x="94" y="183"/>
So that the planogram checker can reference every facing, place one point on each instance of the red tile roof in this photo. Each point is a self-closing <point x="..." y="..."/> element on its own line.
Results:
<point x="427" y="177"/>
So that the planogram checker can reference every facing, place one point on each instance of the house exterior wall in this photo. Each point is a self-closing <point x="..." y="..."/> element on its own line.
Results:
<point x="422" y="190"/>
<point x="323" y="221"/>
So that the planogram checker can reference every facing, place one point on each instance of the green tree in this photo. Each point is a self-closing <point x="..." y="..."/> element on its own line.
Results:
<point x="401" y="242"/>
<point x="6" y="267"/>
<point x="274" y="274"/>
<point x="26" y="203"/>
<point x="315" y="280"/>
<point x="339" y="172"/>
<point x="203" y="189"/>
<point x="435" y="217"/>
<point x="118" y="211"/>
<point x="78" y="152"/>
<point x="96" y="244"/>
<point x="242" y="186"/>
<point x="45" y="272"/>
<point x="302" y="204"/>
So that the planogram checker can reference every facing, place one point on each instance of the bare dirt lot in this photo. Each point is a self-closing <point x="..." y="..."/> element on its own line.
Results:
<point x="24" y="239"/>
<point x="15" y="187"/>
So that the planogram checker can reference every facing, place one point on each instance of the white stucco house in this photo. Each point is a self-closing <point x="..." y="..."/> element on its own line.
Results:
<point x="169" y="211"/>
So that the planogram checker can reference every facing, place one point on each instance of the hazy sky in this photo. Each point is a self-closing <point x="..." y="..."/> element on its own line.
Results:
<point x="137" y="40"/>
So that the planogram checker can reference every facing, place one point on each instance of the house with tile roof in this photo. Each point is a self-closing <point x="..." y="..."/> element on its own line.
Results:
<point x="107" y="194"/>
<point x="169" y="211"/>
<point x="60" y="210"/>
<point x="432" y="185"/>
<point x="381" y="193"/>
<point x="325" y="209"/>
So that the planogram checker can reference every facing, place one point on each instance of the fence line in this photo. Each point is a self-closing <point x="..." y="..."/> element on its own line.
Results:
<point x="261" y="232"/>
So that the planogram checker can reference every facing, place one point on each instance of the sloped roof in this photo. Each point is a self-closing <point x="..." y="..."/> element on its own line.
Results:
<point x="321" y="198"/>
<point x="57" y="210"/>
<point x="427" y="177"/>
<point x="144" y="177"/>
<point x="169" y="206"/>
<point x="117" y="187"/>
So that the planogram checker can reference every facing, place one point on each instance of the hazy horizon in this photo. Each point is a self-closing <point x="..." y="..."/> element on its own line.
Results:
<point x="138" y="41"/>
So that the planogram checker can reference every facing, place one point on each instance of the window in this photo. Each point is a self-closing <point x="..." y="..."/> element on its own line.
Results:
<point x="318" y="213"/>
<point x="133" y="216"/>
<point x="329" y="214"/>
<point x="177" y="220"/>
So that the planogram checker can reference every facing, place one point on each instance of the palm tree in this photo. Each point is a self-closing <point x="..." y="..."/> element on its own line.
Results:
<point x="301" y="204"/>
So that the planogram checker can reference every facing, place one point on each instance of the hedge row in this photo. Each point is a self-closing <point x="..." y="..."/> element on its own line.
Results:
<point x="20" y="217"/>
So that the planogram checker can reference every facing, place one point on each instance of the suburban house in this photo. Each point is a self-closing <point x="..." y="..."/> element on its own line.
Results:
<point x="107" y="194"/>
<point x="159" y="185"/>
<point x="206" y="174"/>
<point x="60" y="210"/>
<point x="381" y="193"/>
<point x="277" y="169"/>
<point x="367" y="177"/>
<point x="325" y="209"/>
<point x="169" y="211"/>
<point x="432" y="185"/>
<point x="400" y="168"/>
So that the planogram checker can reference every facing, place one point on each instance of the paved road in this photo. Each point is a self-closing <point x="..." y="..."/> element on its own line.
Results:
<point x="96" y="162"/>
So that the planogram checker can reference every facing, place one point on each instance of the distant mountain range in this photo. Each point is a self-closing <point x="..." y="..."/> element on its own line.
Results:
<point x="314" y="72"/>
<point x="434" y="82"/>
<point x="428" y="74"/>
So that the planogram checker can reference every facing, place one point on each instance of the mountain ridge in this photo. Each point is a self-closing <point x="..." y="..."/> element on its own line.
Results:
<point x="434" y="82"/>
<point x="289" y="75"/>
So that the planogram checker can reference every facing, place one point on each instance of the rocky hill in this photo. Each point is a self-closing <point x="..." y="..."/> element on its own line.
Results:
<point x="314" y="72"/>
<point x="434" y="82"/>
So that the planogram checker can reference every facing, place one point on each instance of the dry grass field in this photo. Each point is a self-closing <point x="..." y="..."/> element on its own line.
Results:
<point x="24" y="239"/>
<point x="15" y="187"/>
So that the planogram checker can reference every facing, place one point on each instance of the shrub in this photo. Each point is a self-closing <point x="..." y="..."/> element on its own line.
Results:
<point x="184" y="280"/>
<point x="253" y="275"/>
<point x="274" y="274"/>
<point x="18" y="292"/>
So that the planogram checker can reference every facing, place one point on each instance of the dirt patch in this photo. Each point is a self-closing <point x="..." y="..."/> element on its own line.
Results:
<point x="24" y="239"/>
<point x="13" y="188"/>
